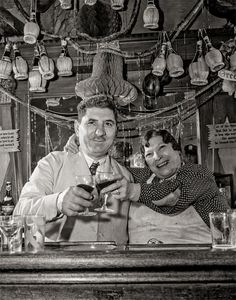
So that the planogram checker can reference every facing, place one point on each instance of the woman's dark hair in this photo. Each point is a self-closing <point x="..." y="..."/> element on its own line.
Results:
<point x="99" y="101"/>
<point x="166" y="137"/>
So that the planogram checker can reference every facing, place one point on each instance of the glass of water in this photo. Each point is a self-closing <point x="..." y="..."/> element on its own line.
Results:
<point x="11" y="228"/>
<point x="34" y="233"/>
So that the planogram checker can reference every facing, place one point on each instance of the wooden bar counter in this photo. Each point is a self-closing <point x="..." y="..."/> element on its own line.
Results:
<point x="142" y="272"/>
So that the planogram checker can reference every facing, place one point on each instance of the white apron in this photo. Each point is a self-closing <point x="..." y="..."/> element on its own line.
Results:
<point x="185" y="228"/>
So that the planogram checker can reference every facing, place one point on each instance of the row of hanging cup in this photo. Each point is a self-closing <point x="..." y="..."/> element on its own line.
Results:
<point x="115" y="4"/>
<point x="167" y="58"/>
<point x="43" y="67"/>
<point x="17" y="65"/>
<point x="201" y="63"/>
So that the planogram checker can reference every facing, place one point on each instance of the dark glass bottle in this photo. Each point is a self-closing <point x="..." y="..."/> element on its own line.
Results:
<point x="8" y="203"/>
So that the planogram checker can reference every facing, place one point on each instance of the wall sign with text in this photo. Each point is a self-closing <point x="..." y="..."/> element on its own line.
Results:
<point x="222" y="135"/>
<point x="9" y="140"/>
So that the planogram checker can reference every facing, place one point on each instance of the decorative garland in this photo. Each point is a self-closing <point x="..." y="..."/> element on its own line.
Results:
<point x="183" y="113"/>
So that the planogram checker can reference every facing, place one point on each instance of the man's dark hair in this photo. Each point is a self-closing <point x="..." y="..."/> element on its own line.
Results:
<point x="99" y="101"/>
<point x="166" y="137"/>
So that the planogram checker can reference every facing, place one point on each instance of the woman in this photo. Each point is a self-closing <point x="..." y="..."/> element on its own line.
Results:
<point x="151" y="217"/>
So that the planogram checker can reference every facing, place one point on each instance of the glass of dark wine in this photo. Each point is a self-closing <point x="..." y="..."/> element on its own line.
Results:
<point x="104" y="179"/>
<point x="86" y="182"/>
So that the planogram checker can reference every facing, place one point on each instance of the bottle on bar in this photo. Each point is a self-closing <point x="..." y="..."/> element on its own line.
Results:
<point x="8" y="203"/>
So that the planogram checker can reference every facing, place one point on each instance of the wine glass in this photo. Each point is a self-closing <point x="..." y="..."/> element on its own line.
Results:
<point x="104" y="179"/>
<point x="87" y="183"/>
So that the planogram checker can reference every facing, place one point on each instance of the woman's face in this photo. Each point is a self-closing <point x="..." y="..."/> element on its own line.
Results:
<point x="161" y="158"/>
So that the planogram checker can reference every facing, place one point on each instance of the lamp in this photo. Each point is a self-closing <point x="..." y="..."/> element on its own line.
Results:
<point x="36" y="82"/>
<point x="159" y="64"/>
<point x="151" y="15"/>
<point x="5" y="62"/>
<point x="46" y="64"/>
<point x="64" y="62"/>
<point x="213" y="57"/>
<point x="31" y="29"/>
<point x="198" y="69"/>
<point x="174" y="62"/>
<point x="20" y="66"/>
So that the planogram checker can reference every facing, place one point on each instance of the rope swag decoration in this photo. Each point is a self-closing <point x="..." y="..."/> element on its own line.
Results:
<point x="168" y="116"/>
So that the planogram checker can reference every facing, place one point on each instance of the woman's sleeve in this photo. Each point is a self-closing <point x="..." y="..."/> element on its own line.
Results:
<point x="197" y="187"/>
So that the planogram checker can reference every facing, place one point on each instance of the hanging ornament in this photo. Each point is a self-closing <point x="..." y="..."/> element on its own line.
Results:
<point x="117" y="4"/>
<point x="64" y="62"/>
<point x="198" y="69"/>
<point x="20" y="66"/>
<point x="213" y="57"/>
<point x="159" y="64"/>
<point x="46" y="64"/>
<point x="150" y="102"/>
<point x="151" y="85"/>
<point x="174" y="62"/>
<point x="151" y="15"/>
<point x="5" y="62"/>
<point x="8" y="84"/>
<point x="165" y="79"/>
<point x="65" y="4"/>
<point x="31" y="29"/>
<point x="36" y="82"/>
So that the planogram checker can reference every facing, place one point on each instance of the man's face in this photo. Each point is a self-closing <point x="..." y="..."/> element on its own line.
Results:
<point x="161" y="158"/>
<point x="96" y="131"/>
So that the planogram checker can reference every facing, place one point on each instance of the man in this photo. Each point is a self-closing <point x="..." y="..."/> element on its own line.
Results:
<point x="52" y="191"/>
<point x="190" y="152"/>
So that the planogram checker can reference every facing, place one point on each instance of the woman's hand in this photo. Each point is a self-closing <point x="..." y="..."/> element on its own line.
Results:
<point x="72" y="144"/>
<point x="169" y="200"/>
<point x="123" y="189"/>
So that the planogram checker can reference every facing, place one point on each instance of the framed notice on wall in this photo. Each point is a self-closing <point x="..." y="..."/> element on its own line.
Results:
<point x="222" y="135"/>
<point x="9" y="140"/>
